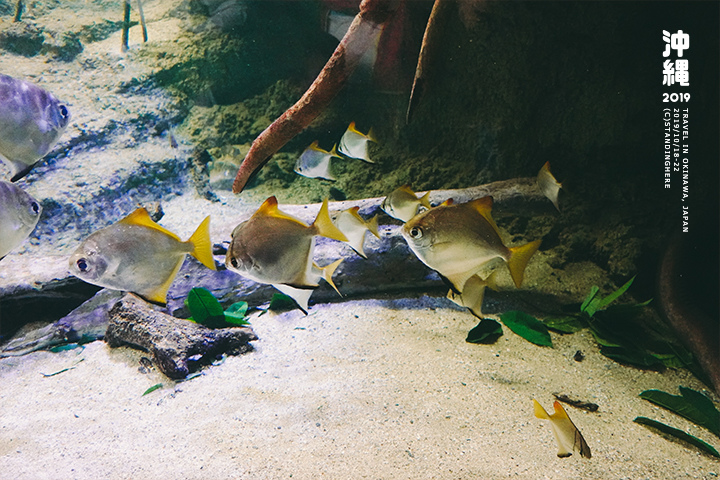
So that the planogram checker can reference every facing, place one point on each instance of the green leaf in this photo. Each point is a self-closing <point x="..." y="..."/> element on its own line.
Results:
<point x="235" y="314"/>
<point x="632" y="356"/>
<point x="487" y="331"/>
<point x="691" y="404"/>
<point x="593" y="292"/>
<point x="679" y="434"/>
<point x="204" y="308"/>
<point x="528" y="327"/>
<point x="280" y="301"/>
<point x="613" y="296"/>
<point x="152" y="389"/>
<point x="567" y="324"/>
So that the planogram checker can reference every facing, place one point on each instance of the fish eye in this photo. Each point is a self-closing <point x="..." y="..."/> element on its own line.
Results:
<point x="82" y="264"/>
<point x="416" y="232"/>
<point x="63" y="111"/>
<point x="35" y="207"/>
<point x="234" y="262"/>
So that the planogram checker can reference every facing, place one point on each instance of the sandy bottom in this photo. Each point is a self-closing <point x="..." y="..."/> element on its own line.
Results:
<point x="359" y="389"/>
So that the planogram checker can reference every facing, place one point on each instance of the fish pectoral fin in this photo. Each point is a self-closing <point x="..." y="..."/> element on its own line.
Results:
<point x="202" y="245"/>
<point x="519" y="258"/>
<point x="324" y="225"/>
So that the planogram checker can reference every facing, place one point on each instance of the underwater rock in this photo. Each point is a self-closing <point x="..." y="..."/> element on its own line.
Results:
<point x="22" y="38"/>
<point x="173" y="342"/>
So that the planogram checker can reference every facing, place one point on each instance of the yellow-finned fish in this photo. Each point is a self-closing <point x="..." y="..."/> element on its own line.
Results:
<point x="403" y="203"/>
<point x="19" y="213"/>
<point x="567" y="435"/>
<point x="31" y="121"/>
<point x="473" y="293"/>
<point x="548" y="185"/>
<point x="352" y="225"/>
<point x="275" y="248"/>
<point x="354" y="144"/>
<point x="138" y="255"/>
<point x="458" y="240"/>
<point x="315" y="162"/>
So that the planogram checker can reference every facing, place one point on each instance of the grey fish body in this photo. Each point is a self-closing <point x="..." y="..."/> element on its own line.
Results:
<point x="31" y="122"/>
<point x="403" y="204"/>
<point x="19" y="213"/>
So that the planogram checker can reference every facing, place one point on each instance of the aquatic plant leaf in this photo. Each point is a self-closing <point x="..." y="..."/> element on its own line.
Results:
<point x="235" y="314"/>
<point x="566" y="324"/>
<point x="152" y="389"/>
<point x="205" y="308"/>
<point x="593" y="293"/>
<point x="487" y="331"/>
<point x="613" y="296"/>
<point x="528" y="327"/>
<point x="691" y="404"/>
<point x="632" y="356"/>
<point x="280" y="301"/>
<point x="679" y="434"/>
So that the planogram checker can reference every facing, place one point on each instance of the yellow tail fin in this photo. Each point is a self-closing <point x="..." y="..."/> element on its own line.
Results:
<point x="202" y="246"/>
<point x="519" y="258"/>
<point x="372" y="225"/>
<point x="425" y="200"/>
<point x="324" y="225"/>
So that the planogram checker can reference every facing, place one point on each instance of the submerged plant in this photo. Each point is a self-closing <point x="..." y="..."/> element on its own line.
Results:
<point x="206" y="310"/>
<point x="691" y="404"/>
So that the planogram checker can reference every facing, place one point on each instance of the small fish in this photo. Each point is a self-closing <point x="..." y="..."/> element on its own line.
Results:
<point x="567" y="435"/>
<point x="315" y="162"/>
<point x="19" y="213"/>
<point x="139" y="256"/>
<point x="458" y="241"/>
<point x="354" y="144"/>
<point x="403" y="204"/>
<point x="31" y="122"/>
<point x="275" y="248"/>
<point x="548" y="185"/>
<point x="350" y="223"/>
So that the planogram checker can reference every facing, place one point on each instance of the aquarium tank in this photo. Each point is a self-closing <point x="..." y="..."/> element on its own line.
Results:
<point x="359" y="239"/>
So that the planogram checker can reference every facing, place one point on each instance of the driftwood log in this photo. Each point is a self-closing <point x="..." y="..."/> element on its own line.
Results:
<point x="174" y="342"/>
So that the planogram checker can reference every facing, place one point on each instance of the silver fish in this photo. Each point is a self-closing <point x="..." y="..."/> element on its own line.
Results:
<point x="275" y="248"/>
<point x="354" y="227"/>
<point x="138" y="255"/>
<point x="459" y="240"/>
<point x="31" y="122"/>
<point x="403" y="204"/>
<point x="19" y="213"/>
<point x="315" y="162"/>
<point x="354" y="144"/>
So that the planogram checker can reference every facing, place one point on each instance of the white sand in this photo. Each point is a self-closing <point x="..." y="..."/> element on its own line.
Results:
<point x="358" y="389"/>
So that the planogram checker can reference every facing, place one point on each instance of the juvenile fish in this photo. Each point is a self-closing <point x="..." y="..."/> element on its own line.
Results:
<point x="138" y="255"/>
<point x="315" y="162"/>
<point x="473" y="293"/>
<point x="458" y="240"/>
<point x="31" y="122"/>
<point x="567" y="435"/>
<point x="275" y="248"/>
<point x="548" y="185"/>
<point x="354" y="144"/>
<point x="403" y="203"/>
<point x="353" y="226"/>
<point x="19" y="213"/>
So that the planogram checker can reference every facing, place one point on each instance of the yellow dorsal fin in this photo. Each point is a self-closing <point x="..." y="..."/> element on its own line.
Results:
<point x="202" y="245"/>
<point x="540" y="411"/>
<point x="270" y="208"/>
<point x="334" y="152"/>
<point x="315" y="146"/>
<point x="372" y="225"/>
<point x="519" y="258"/>
<point x="484" y="207"/>
<point x="324" y="226"/>
<point x="447" y="203"/>
<point x="327" y="273"/>
<point x="559" y="411"/>
<point x="407" y="189"/>
<point x="353" y="128"/>
<point x="142" y="218"/>
<point x="425" y="200"/>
